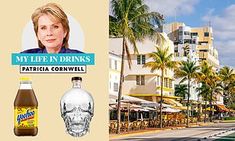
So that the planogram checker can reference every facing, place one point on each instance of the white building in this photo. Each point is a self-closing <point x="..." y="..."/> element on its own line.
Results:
<point x="114" y="72"/>
<point x="185" y="47"/>
<point x="139" y="81"/>
<point x="193" y="43"/>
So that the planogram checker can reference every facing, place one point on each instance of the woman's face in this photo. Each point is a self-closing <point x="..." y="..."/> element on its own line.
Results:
<point x="50" y="32"/>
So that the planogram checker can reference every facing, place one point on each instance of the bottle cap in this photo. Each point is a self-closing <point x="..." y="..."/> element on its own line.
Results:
<point x="76" y="78"/>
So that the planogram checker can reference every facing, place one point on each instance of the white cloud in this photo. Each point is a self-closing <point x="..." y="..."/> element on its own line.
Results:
<point x="223" y="22"/>
<point x="172" y="7"/>
<point x="224" y="34"/>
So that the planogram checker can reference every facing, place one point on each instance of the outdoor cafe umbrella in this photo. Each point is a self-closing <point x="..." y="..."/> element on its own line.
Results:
<point x="130" y="99"/>
<point x="170" y="110"/>
<point x="132" y="103"/>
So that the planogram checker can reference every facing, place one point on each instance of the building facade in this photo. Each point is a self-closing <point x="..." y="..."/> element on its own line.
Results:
<point x="199" y="39"/>
<point x="141" y="82"/>
<point x="114" y="72"/>
<point x="195" y="44"/>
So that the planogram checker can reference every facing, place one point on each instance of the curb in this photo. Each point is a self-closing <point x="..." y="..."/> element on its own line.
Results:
<point x="115" y="136"/>
<point x="144" y="132"/>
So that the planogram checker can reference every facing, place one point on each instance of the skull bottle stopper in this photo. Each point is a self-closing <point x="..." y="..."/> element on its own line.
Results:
<point x="77" y="109"/>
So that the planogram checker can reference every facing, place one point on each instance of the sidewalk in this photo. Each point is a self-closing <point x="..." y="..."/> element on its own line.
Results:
<point x="156" y="130"/>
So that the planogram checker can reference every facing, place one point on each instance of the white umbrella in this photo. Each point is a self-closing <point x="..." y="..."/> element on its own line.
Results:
<point x="149" y="108"/>
<point x="170" y="110"/>
<point x="126" y="98"/>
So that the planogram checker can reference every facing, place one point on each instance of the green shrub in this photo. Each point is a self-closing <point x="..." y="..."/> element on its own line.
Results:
<point x="229" y="118"/>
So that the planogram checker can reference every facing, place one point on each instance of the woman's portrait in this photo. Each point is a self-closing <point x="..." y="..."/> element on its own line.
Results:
<point x="51" y="26"/>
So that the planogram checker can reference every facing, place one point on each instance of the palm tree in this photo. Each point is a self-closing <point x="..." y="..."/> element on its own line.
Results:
<point x="210" y="83"/>
<point x="227" y="83"/>
<point x="205" y="71"/>
<point x="131" y="21"/>
<point x="181" y="90"/>
<point x="204" y="93"/>
<point x="214" y="88"/>
<point x="187" y="71"/>
<point x="186" y="49"/>
<point x="162" y="60"/>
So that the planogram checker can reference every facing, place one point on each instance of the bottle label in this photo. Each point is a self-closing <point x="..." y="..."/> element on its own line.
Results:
<point x="26" y="117"/>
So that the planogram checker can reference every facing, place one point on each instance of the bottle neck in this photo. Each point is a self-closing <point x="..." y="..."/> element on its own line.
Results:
<point x="25" y="85"/>
<point x="76" y="83"/>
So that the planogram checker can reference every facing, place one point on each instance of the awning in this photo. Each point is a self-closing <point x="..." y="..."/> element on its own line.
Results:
<point x="172" y="102"/>
<point x="125" y="106"/>
<point x="180" y="107"/>
<point x="149" y="108"/>
<point x="130" y="99"/>
<point x="191" y="101"/>
<point x="170" y="110"/>
<point x="209" y="109"/>
<point x="140" y="109"/>
<point x="222" y="108"/>
<point x="153" y="94"/>
<point x="231" y="110"/>
<point x="111" y="108"/>
<point x="112" y="101"/>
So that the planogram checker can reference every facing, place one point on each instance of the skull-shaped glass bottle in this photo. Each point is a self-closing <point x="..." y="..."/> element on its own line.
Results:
<point x="77" y="109"/>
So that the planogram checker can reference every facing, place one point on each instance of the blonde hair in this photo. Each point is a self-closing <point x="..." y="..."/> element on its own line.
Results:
<point x="56" y="12"/>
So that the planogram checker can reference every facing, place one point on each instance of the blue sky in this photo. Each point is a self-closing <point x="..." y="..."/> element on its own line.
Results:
<point x="196" y="13"/>
<point x="200" y="9"/>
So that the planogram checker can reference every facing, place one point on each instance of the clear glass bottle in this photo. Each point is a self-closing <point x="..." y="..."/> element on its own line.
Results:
<point x="77" y="109"/>
<point x="25" y="110"/>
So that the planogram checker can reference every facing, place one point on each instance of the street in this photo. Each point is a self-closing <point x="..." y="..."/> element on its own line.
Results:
<point x="206" y="133"/>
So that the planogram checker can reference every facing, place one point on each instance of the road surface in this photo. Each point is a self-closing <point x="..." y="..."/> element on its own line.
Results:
<point x="206" y="133"/>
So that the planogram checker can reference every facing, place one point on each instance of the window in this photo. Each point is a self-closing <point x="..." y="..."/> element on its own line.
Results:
<point x="115" y="64"/>
<point x="140" y="80"/>
<point x="186" y="33"/>
<point x="187" y="41"/>
<point x="180" y="32"/>
<point x="206" y="34"/>
<point x="115" y="87"/>
<point x="204" y="43"/>
<point x="137" y="80"/>
<point x="203" y="50"/>
<point x="194" y="34"/>
<point x="170" y="83"/>
<point x="165" y="82"/>
<point x="110" y="63"/>
<point x="138" y="59"/>
<point x="141" y="59"/>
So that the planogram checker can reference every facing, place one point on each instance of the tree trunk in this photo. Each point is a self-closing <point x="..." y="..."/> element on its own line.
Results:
<point x="189" y="79"/>
<point x="161" y="99"/>
<point x="205" y="110"/>
<point x="230" y="101"/>
<point x="120" y="88"/>
<point x="211" y="106"/>
<point x="198" y="110"/>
